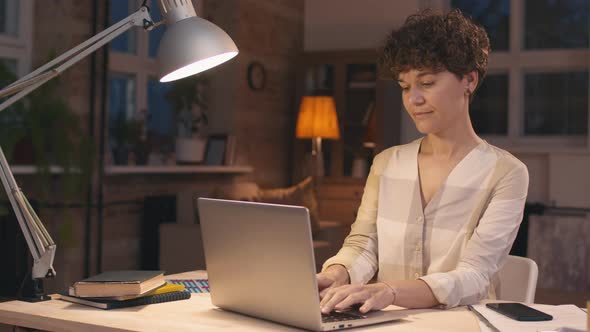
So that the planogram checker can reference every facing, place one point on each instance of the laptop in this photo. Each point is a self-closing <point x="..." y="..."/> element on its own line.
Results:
<point x="260" y="263"/>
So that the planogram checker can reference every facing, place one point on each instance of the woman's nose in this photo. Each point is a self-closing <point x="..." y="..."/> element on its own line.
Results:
<point x="416" y="97"/>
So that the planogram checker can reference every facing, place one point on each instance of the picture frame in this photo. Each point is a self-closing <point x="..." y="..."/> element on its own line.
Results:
<point x="215" y="150"/>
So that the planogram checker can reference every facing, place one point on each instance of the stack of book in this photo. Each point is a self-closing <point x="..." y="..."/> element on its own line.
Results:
<point x="121" y="289"/>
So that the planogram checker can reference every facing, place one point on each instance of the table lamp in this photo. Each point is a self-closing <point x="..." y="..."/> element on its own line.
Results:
<point x="317" y="120"/>
<point x="190" y="45"/>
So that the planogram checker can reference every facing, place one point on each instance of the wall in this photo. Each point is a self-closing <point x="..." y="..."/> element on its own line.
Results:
<point x="352" y="24"/>
<point x="269" y="32"/>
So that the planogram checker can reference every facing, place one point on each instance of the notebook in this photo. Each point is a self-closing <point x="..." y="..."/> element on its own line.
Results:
<point x="116" y="304"/>
<point x="260" y="263"/>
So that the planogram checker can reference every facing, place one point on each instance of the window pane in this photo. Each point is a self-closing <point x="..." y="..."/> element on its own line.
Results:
<point x="556" y="103"/>
<point x="489" y="108"/>
<point x="9" y="119"/>
<point x="156" y="34"/>
<point x="557" y="24"/>
<point x="127" y="42"/>
<point x="319" y="80"/>
<point x="9" y="14"/>
<point x="121" y="107"/>
<point x="8" y="71"/>
<point x="160" y="116"/>
<point x="493" y="15"/>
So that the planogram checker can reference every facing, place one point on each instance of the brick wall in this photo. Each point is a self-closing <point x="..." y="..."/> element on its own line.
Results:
<point x="267" y="31"/>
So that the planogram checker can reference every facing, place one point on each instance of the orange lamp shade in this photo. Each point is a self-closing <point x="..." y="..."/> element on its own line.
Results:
<point x="317" y="118"/>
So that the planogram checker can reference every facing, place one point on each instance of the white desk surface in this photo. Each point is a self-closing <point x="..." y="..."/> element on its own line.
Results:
<point x="195" y="314"/>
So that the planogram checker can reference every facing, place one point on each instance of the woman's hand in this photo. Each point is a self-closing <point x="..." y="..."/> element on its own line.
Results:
<point x="372" y="297"/>
<point x="333" y="276"/>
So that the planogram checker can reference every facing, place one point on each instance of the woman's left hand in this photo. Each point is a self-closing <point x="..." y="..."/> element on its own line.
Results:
<point x="372" y="296"/>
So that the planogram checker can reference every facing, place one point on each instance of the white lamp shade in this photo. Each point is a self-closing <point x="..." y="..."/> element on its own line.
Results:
<point x="191" y="46"/>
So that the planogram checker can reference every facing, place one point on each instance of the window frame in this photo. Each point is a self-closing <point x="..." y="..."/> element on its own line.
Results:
<point x="518" y="62"/>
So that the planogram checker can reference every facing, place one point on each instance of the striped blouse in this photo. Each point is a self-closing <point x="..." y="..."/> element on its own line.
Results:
<point x="457" y="243"/>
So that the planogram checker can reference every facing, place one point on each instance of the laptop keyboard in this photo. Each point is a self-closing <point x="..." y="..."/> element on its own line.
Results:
<point x="338" y="316"/>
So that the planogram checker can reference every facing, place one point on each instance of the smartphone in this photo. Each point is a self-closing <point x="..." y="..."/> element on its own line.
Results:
<point x="519" y="311"/>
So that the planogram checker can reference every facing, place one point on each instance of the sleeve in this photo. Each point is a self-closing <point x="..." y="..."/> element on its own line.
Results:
<point x="359" y="251"/>
<point x="489" y="245"/>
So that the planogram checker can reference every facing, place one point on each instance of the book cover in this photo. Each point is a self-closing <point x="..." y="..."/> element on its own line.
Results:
<point x="166" y="288"/>
<point x="119" y="283"/>
<point x="107" y="304"/>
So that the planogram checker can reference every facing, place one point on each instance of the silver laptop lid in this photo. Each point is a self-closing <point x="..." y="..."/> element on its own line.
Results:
<point x="260" y="260"/>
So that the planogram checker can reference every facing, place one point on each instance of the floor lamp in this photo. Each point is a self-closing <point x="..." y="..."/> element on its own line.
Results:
<point x="189" y="46"/>
<point x="317" y="120"/>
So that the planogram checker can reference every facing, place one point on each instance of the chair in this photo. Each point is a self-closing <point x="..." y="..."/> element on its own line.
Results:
<point x="517" y="280"/>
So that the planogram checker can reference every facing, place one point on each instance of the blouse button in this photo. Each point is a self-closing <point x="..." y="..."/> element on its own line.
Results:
<point x="416" y="275"/>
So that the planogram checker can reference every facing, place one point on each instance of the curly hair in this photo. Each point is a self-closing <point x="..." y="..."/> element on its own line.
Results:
<point x="430" y="40"/>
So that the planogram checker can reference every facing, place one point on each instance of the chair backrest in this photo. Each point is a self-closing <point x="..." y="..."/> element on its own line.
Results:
<point x="517" y="280"/>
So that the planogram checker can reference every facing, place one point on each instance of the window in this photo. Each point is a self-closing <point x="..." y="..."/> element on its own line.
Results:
<point x="493" y="15"/>
<point x="134" y="90"/>
<point x="538" y="83"/>
<point x="9" y="17"/>
<point x="556" y="103"/>
<point x="489" y="110"/>
<point x="16" y="27"/>
<point x="556" y="24"/>
<point x="16" y="34"/>
<point x="127" y="42"/>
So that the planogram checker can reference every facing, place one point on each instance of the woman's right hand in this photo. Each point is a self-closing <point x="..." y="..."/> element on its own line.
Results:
<point x="333" y="276"/>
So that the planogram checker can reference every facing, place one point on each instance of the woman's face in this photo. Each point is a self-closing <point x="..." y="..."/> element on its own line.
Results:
<point x="436" y="101"/>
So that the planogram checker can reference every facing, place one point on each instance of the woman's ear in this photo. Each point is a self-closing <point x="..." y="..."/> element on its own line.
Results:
<point x="471" y="79"/>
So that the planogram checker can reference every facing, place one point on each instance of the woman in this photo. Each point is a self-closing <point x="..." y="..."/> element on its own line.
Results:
<point x="439" y="215"/>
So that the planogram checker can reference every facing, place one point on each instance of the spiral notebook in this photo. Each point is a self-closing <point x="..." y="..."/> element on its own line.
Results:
<point x="114" y="304"/>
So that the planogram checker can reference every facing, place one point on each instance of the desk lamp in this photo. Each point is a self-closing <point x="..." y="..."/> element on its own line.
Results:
<point x="317" y="119"/>
<point x="190" y="45"/>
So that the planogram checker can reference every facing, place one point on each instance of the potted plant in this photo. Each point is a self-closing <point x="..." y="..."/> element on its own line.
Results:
<point x="189" y="102"/>
<point x="128" y="137"/>
<point x="118" y="138"/>
<point x="43" y="127"/>
<point x="138" y="138"/>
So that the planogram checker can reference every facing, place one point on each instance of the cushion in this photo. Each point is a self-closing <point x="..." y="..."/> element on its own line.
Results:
<point x="301" y="194"/>
<point x="245" y="191"/>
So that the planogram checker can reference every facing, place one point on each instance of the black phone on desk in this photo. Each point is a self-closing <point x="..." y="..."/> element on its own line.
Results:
<point x="519" y="311"/>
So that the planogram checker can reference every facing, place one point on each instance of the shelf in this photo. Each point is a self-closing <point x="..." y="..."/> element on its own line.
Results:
<point x="31" y="169"/>
<point x="183" y="169"/>
<point x="361" y="85"/>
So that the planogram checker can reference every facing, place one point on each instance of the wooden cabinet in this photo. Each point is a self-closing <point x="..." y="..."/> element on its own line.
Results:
<point x="339" y="198"/>
<point x="368" y="109"/>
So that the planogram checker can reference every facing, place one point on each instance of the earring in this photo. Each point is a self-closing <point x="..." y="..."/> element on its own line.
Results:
<point x="468" y="92"/>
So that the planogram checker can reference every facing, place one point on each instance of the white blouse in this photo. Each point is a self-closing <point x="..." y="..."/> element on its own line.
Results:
<point x="457" y="243"/>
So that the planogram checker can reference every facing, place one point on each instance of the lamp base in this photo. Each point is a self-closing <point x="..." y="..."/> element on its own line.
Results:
<point x="33" y="291"/>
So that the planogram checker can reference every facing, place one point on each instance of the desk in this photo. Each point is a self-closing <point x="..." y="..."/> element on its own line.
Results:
<point x="195" y="314"/>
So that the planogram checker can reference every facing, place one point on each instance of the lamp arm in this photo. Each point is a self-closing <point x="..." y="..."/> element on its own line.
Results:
<point x="41" y="75"/>
<point x="38" y="240"/>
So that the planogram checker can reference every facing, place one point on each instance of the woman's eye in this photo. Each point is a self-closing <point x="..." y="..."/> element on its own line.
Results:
<point x="427" y="83"/>
<point x="405" y="88"/>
